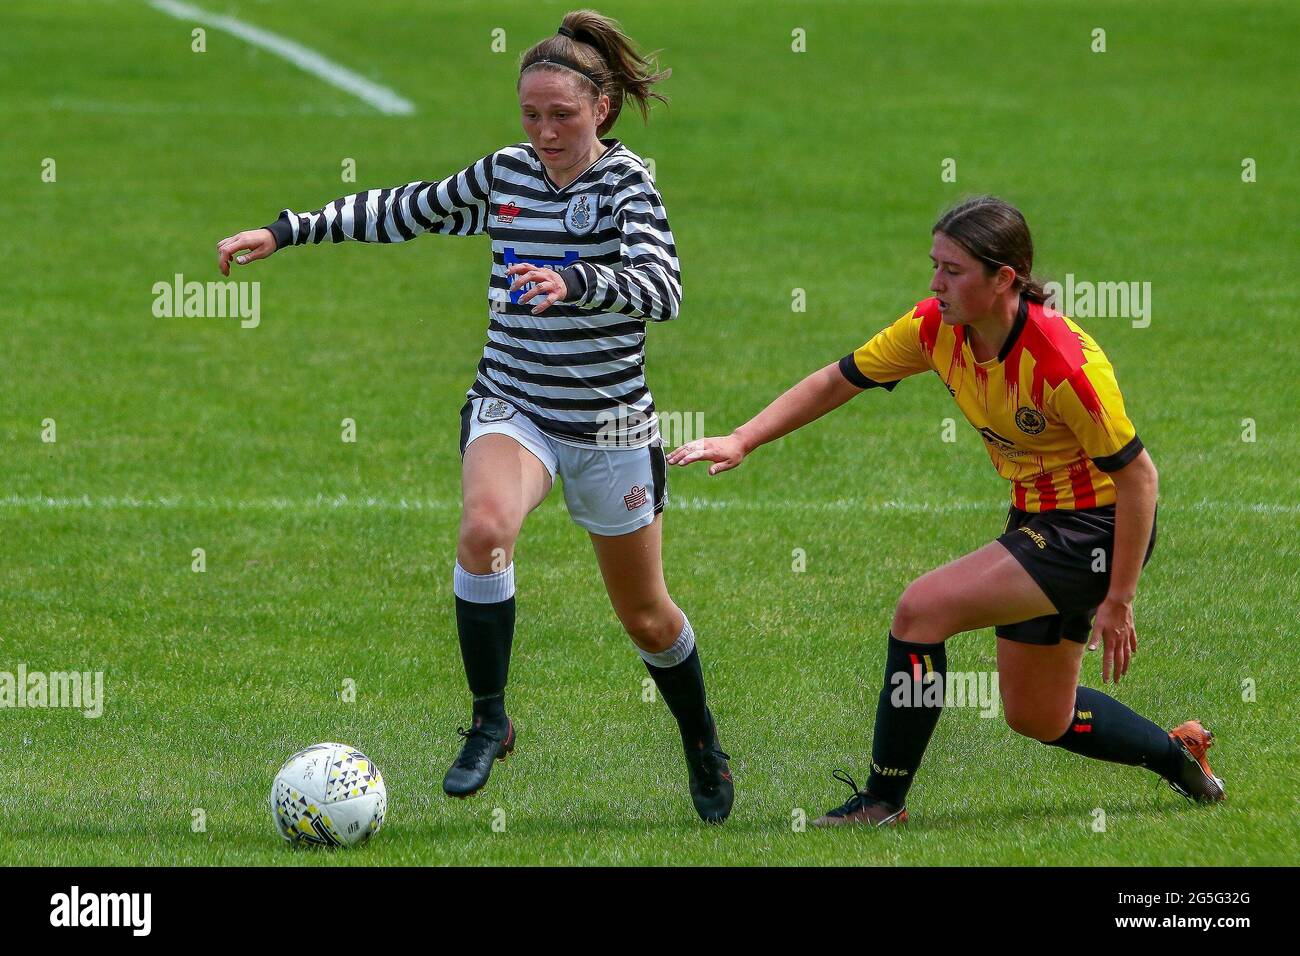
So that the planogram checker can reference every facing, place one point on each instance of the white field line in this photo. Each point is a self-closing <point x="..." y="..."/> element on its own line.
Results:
<point x="65" y="104"/>
<point x="384" y="503"/>
<point x="380" y="97"/>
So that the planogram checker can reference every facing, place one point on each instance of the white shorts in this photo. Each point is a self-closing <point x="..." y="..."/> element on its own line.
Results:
<point x="608" y="491"/>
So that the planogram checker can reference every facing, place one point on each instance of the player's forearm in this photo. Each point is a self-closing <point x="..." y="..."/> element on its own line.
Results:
<point x="824" y="390"/>
<point x="652" y="292"/>
<point x="1136" y="487"/>
<point x="370" y="216"/>
<point x="454" y="206"/>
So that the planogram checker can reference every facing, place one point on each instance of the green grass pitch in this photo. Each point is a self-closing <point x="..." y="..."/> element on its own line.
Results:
<point x="329" y="561"/>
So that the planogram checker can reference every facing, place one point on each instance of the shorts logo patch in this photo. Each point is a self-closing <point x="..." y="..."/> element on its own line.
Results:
<point x="495" y="410"/>
<point x="580" y="216"/>
<point x="1030" y="420"/>
<point x="636" y="498"/>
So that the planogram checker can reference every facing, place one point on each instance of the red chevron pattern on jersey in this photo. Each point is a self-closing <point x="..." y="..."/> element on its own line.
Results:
<point x="1048" y="406"/>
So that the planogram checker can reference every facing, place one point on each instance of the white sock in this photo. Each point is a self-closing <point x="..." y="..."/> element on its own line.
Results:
<point x="677" y="652"/>
<point x="488" y="588"/>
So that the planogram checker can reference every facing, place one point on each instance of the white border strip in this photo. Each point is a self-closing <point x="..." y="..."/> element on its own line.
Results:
<point x="380" y="97"/>
<point x="383" y="503"/>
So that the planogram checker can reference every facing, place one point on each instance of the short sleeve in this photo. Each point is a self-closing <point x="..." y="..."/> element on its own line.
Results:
<point x="1090" y="404"/>
<point x="892" y="354"/>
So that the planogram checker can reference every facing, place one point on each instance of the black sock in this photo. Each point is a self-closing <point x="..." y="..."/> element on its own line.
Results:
<point x="906" y="713"/>
<point x="1105" y="729"/>
<point x="682" y="686"/>
<point x="490" y="711"/>
<point x="486" y="632"/>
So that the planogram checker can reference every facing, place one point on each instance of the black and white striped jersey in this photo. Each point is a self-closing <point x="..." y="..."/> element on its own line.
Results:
<point x="577" y="370"/>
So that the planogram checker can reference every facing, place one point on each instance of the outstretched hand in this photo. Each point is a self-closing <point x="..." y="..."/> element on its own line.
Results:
<point x="251" y="245"/>
<point x="725" y="453"/>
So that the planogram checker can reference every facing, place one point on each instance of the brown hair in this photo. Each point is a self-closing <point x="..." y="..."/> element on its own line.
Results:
<point x="993" y="231"/>
<point x="606" y="56"/>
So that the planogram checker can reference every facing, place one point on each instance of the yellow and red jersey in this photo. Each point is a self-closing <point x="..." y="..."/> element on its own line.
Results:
<point x="1047" y="406"/>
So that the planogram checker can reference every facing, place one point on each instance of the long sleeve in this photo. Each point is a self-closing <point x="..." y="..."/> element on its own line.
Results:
<point x="648" y="283"/>
<point x="455" y="206"/>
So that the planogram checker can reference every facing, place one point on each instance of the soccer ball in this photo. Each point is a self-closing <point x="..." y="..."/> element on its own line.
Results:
<point x="329" y="795"/>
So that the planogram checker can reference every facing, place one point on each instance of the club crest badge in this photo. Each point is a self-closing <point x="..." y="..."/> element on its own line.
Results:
<point x="580" y="216"/>
<point x="494" y="410"/>
<point x="1030" y="421"/>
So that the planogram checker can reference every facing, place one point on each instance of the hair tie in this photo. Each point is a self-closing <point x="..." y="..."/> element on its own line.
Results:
<point x="566" y="32"/>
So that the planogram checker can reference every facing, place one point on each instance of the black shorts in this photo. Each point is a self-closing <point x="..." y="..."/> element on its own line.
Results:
<point x="1059" y="550"/>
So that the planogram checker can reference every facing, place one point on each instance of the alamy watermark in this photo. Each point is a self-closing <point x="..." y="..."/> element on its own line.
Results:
<point x="978" y="689"/>
<point x="130" y="910"/>
<point x="618" y="428"/>
<point x="1083" y="299"/>
<point x="76" y="690"/>
<point x="209" y="300"/>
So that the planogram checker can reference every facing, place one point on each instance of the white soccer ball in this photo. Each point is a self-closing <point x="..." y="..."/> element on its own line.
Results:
<point x="329" y="795"/>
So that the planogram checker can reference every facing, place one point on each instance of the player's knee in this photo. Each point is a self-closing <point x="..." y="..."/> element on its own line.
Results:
<point x="1035" y="722"/>
<point x="487" y="531"/>
<point x="650" y="627"/>
<point x="917" y="618"/>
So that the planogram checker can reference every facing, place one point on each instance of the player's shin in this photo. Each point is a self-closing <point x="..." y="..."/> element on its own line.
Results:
<point x="1105" y="729"/>
<point x="677" y="673"/>
<point x="907" y="711"/>
<point x="485" y="623"/>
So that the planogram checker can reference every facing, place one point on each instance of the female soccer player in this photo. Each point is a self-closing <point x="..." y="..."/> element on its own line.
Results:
<point x="582" y="257"/>
<point x="1082" y="522"/>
